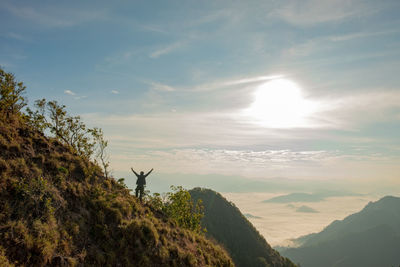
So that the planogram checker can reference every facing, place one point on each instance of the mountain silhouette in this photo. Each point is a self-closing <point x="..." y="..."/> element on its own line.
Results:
<point x="227" y="225"/>
<point x="370" y="237"/>
<point x="296" y="197"/>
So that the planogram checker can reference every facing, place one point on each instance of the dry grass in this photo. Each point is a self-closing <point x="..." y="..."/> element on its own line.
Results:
<point x="58" y="209"/>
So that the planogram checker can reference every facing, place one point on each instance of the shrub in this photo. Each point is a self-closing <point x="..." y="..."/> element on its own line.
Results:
<point x="3" y="258"/>
<point x="180" y="207"/>
<point x="11" y="95"/>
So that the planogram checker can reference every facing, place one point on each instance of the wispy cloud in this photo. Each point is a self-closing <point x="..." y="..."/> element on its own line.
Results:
<point x="192" y="129"/>
<point x="252" y="80"/>
<point x="53" y="16"/>
<point x="174" y="129"/>
<point x="153" y="28"/>
<point x="317" y="164"/>
<point x="325" y="43"/>
<point x="161" y="87"/>
<point x="166" y="129"/>
<point x="310" y="12"/>
<point x="352" y="110"/>
<point x="5" y="64"/>
<point x="246" y="156"/>
<point x="69" y="92"/>
<point x="115" y="92"/>
<point x="16" y="36"/>
<point x="214" y="85"/>
<point x="172" y="140"/>
<point x="166" y="50"/>
<point x="357" y="35"/>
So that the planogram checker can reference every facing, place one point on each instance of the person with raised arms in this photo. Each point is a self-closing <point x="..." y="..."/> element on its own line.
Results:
<point x="140" y="183"/>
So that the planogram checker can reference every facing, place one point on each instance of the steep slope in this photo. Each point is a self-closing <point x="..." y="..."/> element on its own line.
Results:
<point x="57" y="208"/>
<point x="228" y="226"/>
<point x="370" y="237"/>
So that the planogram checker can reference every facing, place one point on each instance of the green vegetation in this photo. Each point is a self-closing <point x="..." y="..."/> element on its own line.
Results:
<point x="226" y="224"/>
<point x="59" y="207"/>
<point x="179" y="206"/>
<point x="69" y="130"/>
<point x="11" y="92"/>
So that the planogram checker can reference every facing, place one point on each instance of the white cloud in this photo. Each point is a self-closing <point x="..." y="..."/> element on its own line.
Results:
<point x="310" y="12"/>
<point x="69" y="92"/>
<point x="314" y="165"/>
<point x="166" y="50"/>
<point x="115" y="92"/>
<point x="351" y="111"/>
<point x="16" y="36"/>
<point x="171" y="141"/>
<point x="357" y="35"/>
<point x="53" y="16"/>
<point x="253" y="80"/>
<point x="230" y="128"/>
<point x="161" y="87"/>
<point x="175" y="129"/>
<point x="216" y="85"/>
<point x="328" y="44"/>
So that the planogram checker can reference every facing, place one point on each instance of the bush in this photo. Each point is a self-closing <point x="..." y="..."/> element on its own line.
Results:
<point x="179" y="206"/>
<point x="11" y="99"/>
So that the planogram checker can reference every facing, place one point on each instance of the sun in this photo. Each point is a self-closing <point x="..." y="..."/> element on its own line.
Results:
<point x="279" y="103"/>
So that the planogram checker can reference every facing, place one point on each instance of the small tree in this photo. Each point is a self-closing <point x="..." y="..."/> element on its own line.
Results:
<point x="52" y="117"/>
<point x="11" y="99"/>
<point x="70" y="130"/>
<point x="37" y="119"/>
<point x="179" y="206"/>
<point x="100" y="147"/>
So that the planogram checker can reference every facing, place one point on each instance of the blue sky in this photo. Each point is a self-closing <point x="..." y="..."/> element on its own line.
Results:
<point x="170" y="83"/>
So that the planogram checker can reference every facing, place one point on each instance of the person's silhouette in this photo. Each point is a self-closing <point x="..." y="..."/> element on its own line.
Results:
<point x="140" y="183"/>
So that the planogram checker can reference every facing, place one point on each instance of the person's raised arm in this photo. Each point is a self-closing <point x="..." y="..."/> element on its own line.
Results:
<point x="148" y="172"/>
<point x="137" y="175"/>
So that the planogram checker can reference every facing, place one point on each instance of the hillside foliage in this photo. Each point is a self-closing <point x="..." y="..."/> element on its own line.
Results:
<point x="58" y="207"/>
<point x="179" y="206"/>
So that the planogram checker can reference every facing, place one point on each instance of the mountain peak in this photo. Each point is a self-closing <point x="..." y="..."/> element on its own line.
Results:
<point x="226" y="224"/>
<point x="355" y="240"/>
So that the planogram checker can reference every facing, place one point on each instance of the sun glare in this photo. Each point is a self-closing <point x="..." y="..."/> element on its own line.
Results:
<point x="280" y="104"/>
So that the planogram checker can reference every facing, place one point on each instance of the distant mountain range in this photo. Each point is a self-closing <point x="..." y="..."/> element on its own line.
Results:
<point x="228" y="226"/>
<point x="308" y="197"/>
<point x="370" y="237"/>
<point x="306" y="209"/>
<point x="296" y="197"/>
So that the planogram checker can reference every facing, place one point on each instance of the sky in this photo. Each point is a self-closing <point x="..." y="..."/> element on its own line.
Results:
<point x="232" y="95"/>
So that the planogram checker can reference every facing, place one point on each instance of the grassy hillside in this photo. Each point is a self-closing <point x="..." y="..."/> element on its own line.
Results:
<point x="225" y="223"/>
<point x="58" y="208"/>
<point x="370" y="237"/>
